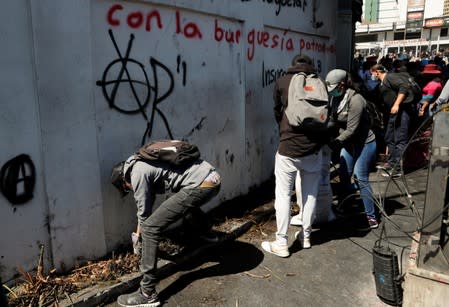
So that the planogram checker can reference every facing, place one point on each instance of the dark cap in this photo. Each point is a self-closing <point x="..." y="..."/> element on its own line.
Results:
<point x="117" y="178"/>
<point x="335" y="77"/>
<point x="300" y="58"/>
<point x="378" y="67"/>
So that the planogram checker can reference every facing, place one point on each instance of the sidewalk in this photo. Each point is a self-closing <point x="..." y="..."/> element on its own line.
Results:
<point x="232" y="228"/>
<point x="339" y="263"/>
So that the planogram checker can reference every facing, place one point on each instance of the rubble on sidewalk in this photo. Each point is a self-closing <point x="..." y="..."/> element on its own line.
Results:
<point x="101" y="281"/>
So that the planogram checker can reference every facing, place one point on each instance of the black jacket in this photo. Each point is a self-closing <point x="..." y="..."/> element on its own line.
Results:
<point x="294" y="142"/>
<point x="394" y="84"/>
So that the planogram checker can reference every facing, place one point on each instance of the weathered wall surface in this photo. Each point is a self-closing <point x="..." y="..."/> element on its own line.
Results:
<point x="86" y="82"/>
<point x="23" y="226"/>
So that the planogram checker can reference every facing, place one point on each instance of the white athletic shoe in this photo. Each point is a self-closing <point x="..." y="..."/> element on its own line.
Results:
<point x="305" y="242"/>
<point x="296" y="220"/>
<point x="276" y="249"/>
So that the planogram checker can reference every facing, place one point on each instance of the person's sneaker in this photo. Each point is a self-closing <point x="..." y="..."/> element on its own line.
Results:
<point x="275" y="248"/>
<point x="385" y="165"/>
<point x="139" y="299"/>
<point x="296" y="220"/>
<point x="372" y="222"/>
<point x="305" y="242"/>
<point x="388" y="171"/>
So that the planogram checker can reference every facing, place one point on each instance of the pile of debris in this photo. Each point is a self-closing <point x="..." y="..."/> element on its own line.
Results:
<point x="39" y="289"/>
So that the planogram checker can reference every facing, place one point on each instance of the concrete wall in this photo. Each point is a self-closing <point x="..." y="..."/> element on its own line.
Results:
<point x="84" y="83"/>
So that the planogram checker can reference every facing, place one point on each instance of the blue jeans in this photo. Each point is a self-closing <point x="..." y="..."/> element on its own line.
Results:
<point x="397" y="134"/>
<point x="152" y="229"/>
<point x="358" y="161"/>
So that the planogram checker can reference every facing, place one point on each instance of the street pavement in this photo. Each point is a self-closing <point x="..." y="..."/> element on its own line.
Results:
<point x="336" y="271"/>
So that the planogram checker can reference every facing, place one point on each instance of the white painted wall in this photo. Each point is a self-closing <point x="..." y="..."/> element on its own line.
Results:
<point x="59" y="71"/>
<point x="23" y="227"/>
<point x="388" y="11"/>
<point x="433" y="8"/>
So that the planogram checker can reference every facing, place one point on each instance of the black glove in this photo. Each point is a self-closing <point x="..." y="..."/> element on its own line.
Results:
<point x="335" y="145"/>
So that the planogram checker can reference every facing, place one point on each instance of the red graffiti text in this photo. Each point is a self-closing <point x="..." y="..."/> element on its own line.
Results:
<point x="229" y="35"/>
<point x="134" y="19"/>
<point x="267" y="40"/>
<point x="117" y="16"/>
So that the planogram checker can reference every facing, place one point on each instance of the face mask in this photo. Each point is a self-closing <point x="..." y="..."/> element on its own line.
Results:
<point x="335" y="93"/>
<point x="374" y="77"/>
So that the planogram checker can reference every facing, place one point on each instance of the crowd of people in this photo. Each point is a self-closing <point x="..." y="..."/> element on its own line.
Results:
<point x="300" y="152"/>
<point x="403" y="92"/>
<point x="420" y="80"/>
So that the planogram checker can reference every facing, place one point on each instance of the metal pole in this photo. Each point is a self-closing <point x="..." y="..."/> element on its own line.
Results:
<point x="433" y="253"/>
<point x="438" y="43"/>
<point x="430" y="42"/>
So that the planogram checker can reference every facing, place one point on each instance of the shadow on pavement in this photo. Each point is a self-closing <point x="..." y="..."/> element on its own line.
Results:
<point x="342" y="228"/>
<point x="231" y="257"/>
<point x="352" y="225"/>
<point x="390" y="206"/>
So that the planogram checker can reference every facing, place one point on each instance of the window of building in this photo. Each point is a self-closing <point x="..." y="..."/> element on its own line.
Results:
<point x="398" y="35"/>
<point x="371" y="10"/>
<point x="413" y="35"/>
<point x="443" y="32"/>
<point x="366" y="38"/>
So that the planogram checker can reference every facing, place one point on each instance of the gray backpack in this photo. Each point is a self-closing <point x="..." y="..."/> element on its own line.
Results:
<point x="174" y="152"/>
<point x="308" y="102"/>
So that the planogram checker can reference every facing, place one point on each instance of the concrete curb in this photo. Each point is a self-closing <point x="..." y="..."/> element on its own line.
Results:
<point x="101" y="294"/>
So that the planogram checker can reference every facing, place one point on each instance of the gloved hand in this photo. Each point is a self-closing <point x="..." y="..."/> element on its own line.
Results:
<point x="137" y="243"/>
<point x="335" y="145"/>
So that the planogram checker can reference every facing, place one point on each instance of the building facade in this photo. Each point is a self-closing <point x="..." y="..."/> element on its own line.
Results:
<point x="409" y="27"/>
<point x="85" y="83"/>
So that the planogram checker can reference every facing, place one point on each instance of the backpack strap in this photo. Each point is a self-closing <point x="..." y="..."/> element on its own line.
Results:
<point x="351" y="93"/>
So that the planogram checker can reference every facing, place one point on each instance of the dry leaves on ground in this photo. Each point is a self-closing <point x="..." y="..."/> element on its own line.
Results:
<point x="38" y="289"/>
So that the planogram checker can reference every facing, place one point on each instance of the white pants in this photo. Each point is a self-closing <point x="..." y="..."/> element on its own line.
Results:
<point x="285" y="170"/>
